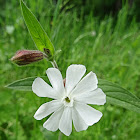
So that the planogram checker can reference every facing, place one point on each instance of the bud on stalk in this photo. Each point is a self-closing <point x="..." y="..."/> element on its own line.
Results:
<point x="24" y="57"/>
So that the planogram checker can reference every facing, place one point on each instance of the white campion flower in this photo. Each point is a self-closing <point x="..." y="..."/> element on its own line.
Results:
<point x="70" y="101"/>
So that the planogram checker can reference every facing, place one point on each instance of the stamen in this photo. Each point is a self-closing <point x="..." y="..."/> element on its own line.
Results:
<point x="67" y="99"/>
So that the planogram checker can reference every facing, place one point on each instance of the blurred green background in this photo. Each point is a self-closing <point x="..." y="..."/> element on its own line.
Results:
<point x="102" y="35"/>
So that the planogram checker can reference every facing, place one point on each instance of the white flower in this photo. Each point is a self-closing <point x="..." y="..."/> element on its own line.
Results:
<point x="70" y="101"/>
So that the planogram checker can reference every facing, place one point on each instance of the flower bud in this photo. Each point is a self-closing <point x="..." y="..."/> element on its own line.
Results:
<point x="24" y="57"/>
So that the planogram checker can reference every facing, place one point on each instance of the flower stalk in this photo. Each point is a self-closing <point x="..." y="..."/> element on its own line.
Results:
<point x="54" y="64"/>
<point x="60" y="135"/>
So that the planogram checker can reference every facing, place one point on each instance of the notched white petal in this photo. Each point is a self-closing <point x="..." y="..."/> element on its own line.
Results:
<point x="47" y="108"/>
<point x="88" y="114"/>
<point x="52" y="123"/>
<point x="73" y="76"/>
<point x="65" y="124"/>
<point x="96" y="97"/>
<point x="88" y="83"/>
<point x="42" y="89"/>
<point x="78" y="122"/>
<point x="56" y="80"/>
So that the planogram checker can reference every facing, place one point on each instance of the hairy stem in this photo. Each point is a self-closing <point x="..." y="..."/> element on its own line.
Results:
<point x="60" y="135"/>
<point x="54" y="64"/>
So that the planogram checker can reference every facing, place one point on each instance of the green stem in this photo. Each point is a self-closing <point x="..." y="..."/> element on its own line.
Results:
<point x="60" y="135"/>
<point x="54" y="64"/>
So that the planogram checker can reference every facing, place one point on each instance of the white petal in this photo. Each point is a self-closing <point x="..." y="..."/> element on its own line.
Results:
<point x="52" y="123"/>
<point x="42" y="89"/>
<point x="73" y="75"/>
<point x="88" y="83"/>
<point x="65" y="124"/>
<point x="88" y="114"/>
<point x="78" y="122"/>
<point x="96" y="96"/>
<point x="56" y="80"/>
<point x="47" y="108"/>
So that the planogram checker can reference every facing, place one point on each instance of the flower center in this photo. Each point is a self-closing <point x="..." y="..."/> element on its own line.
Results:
<point x="68" y="101"/>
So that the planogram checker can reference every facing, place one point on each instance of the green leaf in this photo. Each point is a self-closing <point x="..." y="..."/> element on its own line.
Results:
<point x="116" y="95"/>
<point x="37" y="33"/>
<point x="119" y="96"/>
<point x="23" y="84"/>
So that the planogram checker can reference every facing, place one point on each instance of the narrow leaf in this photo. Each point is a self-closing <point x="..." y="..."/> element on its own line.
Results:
<point x="23" y="84"/>
<point x="117" y="95"/>
<point x="37" y="33"/>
